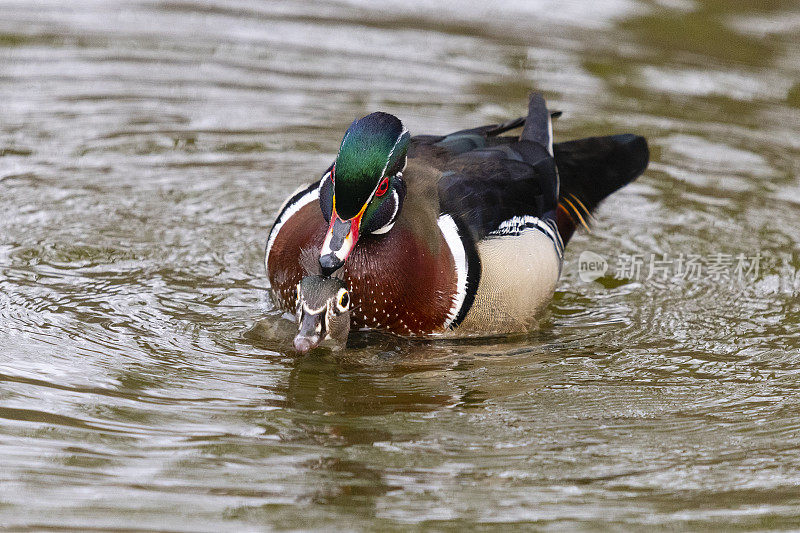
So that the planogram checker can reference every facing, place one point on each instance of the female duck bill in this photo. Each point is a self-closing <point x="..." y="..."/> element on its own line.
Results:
<point x="312" y="330"/>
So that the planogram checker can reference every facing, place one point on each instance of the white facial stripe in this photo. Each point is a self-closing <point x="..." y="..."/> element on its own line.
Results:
<point x="392" y="151"/>
<point x="550" y="134"/>
<point x="453" y="240"/>
<point x="289" y="212"/>
<point x="390" y="225"/>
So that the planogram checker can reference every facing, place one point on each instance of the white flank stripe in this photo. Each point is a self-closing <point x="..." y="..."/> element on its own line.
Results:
<point x="451" y="236"/>
<point x="286" y="215"/>
<point x="550" y="133"/>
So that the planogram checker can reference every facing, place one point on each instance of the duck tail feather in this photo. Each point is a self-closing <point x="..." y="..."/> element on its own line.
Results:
<point x="538" y="126"/>
<point x="590" y="170"/>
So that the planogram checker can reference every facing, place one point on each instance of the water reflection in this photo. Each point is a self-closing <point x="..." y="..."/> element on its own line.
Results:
<point x="332" y="386"/>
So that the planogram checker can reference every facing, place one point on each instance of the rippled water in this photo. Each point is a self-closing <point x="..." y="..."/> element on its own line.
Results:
<point x="147" y="382"/>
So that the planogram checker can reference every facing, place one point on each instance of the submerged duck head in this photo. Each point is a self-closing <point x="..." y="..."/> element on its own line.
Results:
<point x="364" y="189"/>
<point x="323" y="312"/>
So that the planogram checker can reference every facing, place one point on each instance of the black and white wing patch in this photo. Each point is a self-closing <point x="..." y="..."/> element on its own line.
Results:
<point x="515" y="226"/>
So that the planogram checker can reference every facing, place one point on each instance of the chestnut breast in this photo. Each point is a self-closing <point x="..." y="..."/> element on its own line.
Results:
<point x="398" y="282"/>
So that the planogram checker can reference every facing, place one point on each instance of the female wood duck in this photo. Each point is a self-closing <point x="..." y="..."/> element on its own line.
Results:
<point x="462" y="233"/>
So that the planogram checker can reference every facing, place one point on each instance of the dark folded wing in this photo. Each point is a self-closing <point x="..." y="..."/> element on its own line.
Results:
<point x="484" y="188"/>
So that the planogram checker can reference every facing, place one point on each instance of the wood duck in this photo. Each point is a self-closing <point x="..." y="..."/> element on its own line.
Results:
<point x="455" y="234"/>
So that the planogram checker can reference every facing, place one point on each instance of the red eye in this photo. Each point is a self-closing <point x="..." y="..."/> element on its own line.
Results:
<point x="383" y="186"/>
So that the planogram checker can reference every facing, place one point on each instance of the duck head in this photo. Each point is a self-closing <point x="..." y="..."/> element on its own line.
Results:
<point x="323" y="312"/>
<point x="363" y="191"/>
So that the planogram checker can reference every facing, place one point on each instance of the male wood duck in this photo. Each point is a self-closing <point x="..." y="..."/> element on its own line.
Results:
<point x="455" y="234"/>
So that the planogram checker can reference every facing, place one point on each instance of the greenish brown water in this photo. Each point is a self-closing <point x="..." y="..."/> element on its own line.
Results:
<point x="147" y="384"/>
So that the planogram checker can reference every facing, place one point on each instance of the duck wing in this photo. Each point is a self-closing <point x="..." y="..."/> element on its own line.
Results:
<point x="485" y="188"/>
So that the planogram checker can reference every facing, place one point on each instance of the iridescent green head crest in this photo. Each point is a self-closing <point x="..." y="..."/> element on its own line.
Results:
<point x="373" y="147"/>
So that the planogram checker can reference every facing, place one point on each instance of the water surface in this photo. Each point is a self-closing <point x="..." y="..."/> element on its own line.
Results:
<point x="148" y="384"/>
